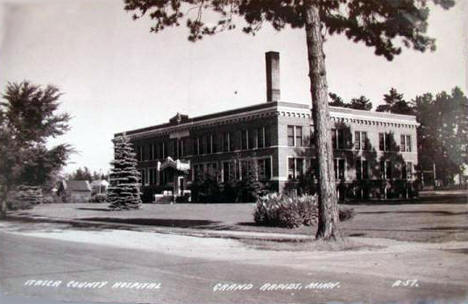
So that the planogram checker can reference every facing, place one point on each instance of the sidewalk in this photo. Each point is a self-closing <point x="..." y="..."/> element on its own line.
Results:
<point x="209" y="233"/>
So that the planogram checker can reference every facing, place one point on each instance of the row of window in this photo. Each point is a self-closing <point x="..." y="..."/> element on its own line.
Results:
<point x="298" y="166"/>
<point x="362" y="169"/>
<point x="259" y="168"/>
<point x="206" y="144"/>
<point x="361" y="141"/>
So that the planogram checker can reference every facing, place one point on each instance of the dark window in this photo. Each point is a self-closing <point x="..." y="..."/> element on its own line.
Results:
<point x="364" y="141"/>
<point x="298" y="136"/>
<point x="341" y="139"/>
<point x="228" y="171"/>
<point x="245" y="168"/>
<point x="334" y="144"/>
<point x="402" y="143"/>
<point x="214" y="143"/>
<point x="381" y="142"/>
<point x="339" y="166"/>
<point x="252" y="139"/>
<point x="299" y="166"/>
<point x="388" y="169"/>
<point x="203" y="144"/>
<point x="388" y="140"/>
<point x="408" y="143"/>
<point x="405" y="145"/>
<point x="244" y="140"/>
<point x="358" y="169"/>
<point x="357" y="140"/>
<point x="260" y="137"/>
<point x="409" y="170"/>
<point x="365" y="169"/>
<point x="382" y="169"/>
<point x="291" y="168"/>
<point x="267" y="136"/>
<point x="267" y="169"/>
<point x="291" y="136"/>
<point x="226" y="142"/>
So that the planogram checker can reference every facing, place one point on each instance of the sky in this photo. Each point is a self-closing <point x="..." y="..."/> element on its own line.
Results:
<point x="116" y="75"/>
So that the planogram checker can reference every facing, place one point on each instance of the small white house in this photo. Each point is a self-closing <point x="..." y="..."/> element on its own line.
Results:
<point x="99" y="186"/>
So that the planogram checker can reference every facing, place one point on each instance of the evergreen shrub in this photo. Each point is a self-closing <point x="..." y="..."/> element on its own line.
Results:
<point x="25" y="197"/>
<point x="281" y="210"/>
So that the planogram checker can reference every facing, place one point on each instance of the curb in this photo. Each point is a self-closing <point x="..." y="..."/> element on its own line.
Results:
<point x="191" y="232"/>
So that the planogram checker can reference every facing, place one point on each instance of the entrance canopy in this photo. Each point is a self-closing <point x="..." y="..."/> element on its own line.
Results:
<point x="178" y="164"/>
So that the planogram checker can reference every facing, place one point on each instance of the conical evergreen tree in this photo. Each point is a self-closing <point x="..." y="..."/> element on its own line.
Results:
<point x="124" y="189"/>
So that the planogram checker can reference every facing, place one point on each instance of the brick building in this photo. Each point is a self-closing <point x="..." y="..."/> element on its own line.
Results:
<point x="372" y="150"/>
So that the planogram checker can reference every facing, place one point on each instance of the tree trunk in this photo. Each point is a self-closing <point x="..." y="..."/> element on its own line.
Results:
<point x="3" y="203"/>
<point x="328" y="216"/>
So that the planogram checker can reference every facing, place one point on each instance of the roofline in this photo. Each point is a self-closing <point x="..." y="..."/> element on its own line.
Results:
<point x="338" y="111"/>
<point x="260" y="106"/>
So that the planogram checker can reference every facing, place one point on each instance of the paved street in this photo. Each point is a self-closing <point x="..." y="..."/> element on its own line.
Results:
<point x="188" y="269"/>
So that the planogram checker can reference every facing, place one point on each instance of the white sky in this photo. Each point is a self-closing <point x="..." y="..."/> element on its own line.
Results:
<point x="117" y="76"/>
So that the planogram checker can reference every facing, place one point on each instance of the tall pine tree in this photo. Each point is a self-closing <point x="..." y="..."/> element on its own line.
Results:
<point x="124" y="189"/>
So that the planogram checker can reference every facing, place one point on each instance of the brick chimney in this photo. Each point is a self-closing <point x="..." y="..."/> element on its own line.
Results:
<point x="272" y="76"/>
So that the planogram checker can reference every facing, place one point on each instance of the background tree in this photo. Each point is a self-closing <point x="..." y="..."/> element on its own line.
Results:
<point x="85" y="174"/>
<point x="336" y="101"/>
<point x="395" y="103"/>
<point x="28" y="119"/>
<point x="361" y="103"/>
<point x="443" y="133"/>
<point x="124" y="189"/>
<point x="384" y="25"/>
<point x="81" y="174"/>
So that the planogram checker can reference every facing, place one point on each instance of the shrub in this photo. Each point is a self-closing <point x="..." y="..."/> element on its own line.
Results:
<point x="346" y="213"/>
<point x="291" y="211"/>
<point x="98" y="198"/>
<point x="25" y="197"/>
<point x="284" y="211"/>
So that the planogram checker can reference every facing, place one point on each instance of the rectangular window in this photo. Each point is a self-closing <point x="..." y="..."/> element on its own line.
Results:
<point x="358" y="169"/>
<point x="339" y="166"/>
<point x="341" y="139"/>
<point x="267" y="136"/>
<point x="226" y="142"/>
<point x="362" y="170"/>
<point x="144" y="178"/>
<point x="245" y="168"/>
<point x="253" y="139"/>
<point x="214" y="143"/>
<point x="365" y="169"/>
<point x="299" y="167"/>
<point x="360" y="140"/>
<point x="388" y="140"/>
<point x="291" y="136"/>
<point x="244" y="140"/>
<point x="298" y="136"/>
<point x="381" y="142"/>
<point x="261" y="137"/>
<point x="152" y="177"/>
<point x="357" y="140"/>
<point x="388" y="170"/>
<point x="291" y="168"/>
<point x="405" y="143"/>
<point x="261" y="170"/>
<point x="408" y="143"/>
<point x="228" y="171"/>
<point x="334" y="142"/>
<point x="409" y="170"/>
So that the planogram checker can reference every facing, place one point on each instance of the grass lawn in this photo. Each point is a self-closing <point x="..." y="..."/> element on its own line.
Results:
<point x="436" y="218"/>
